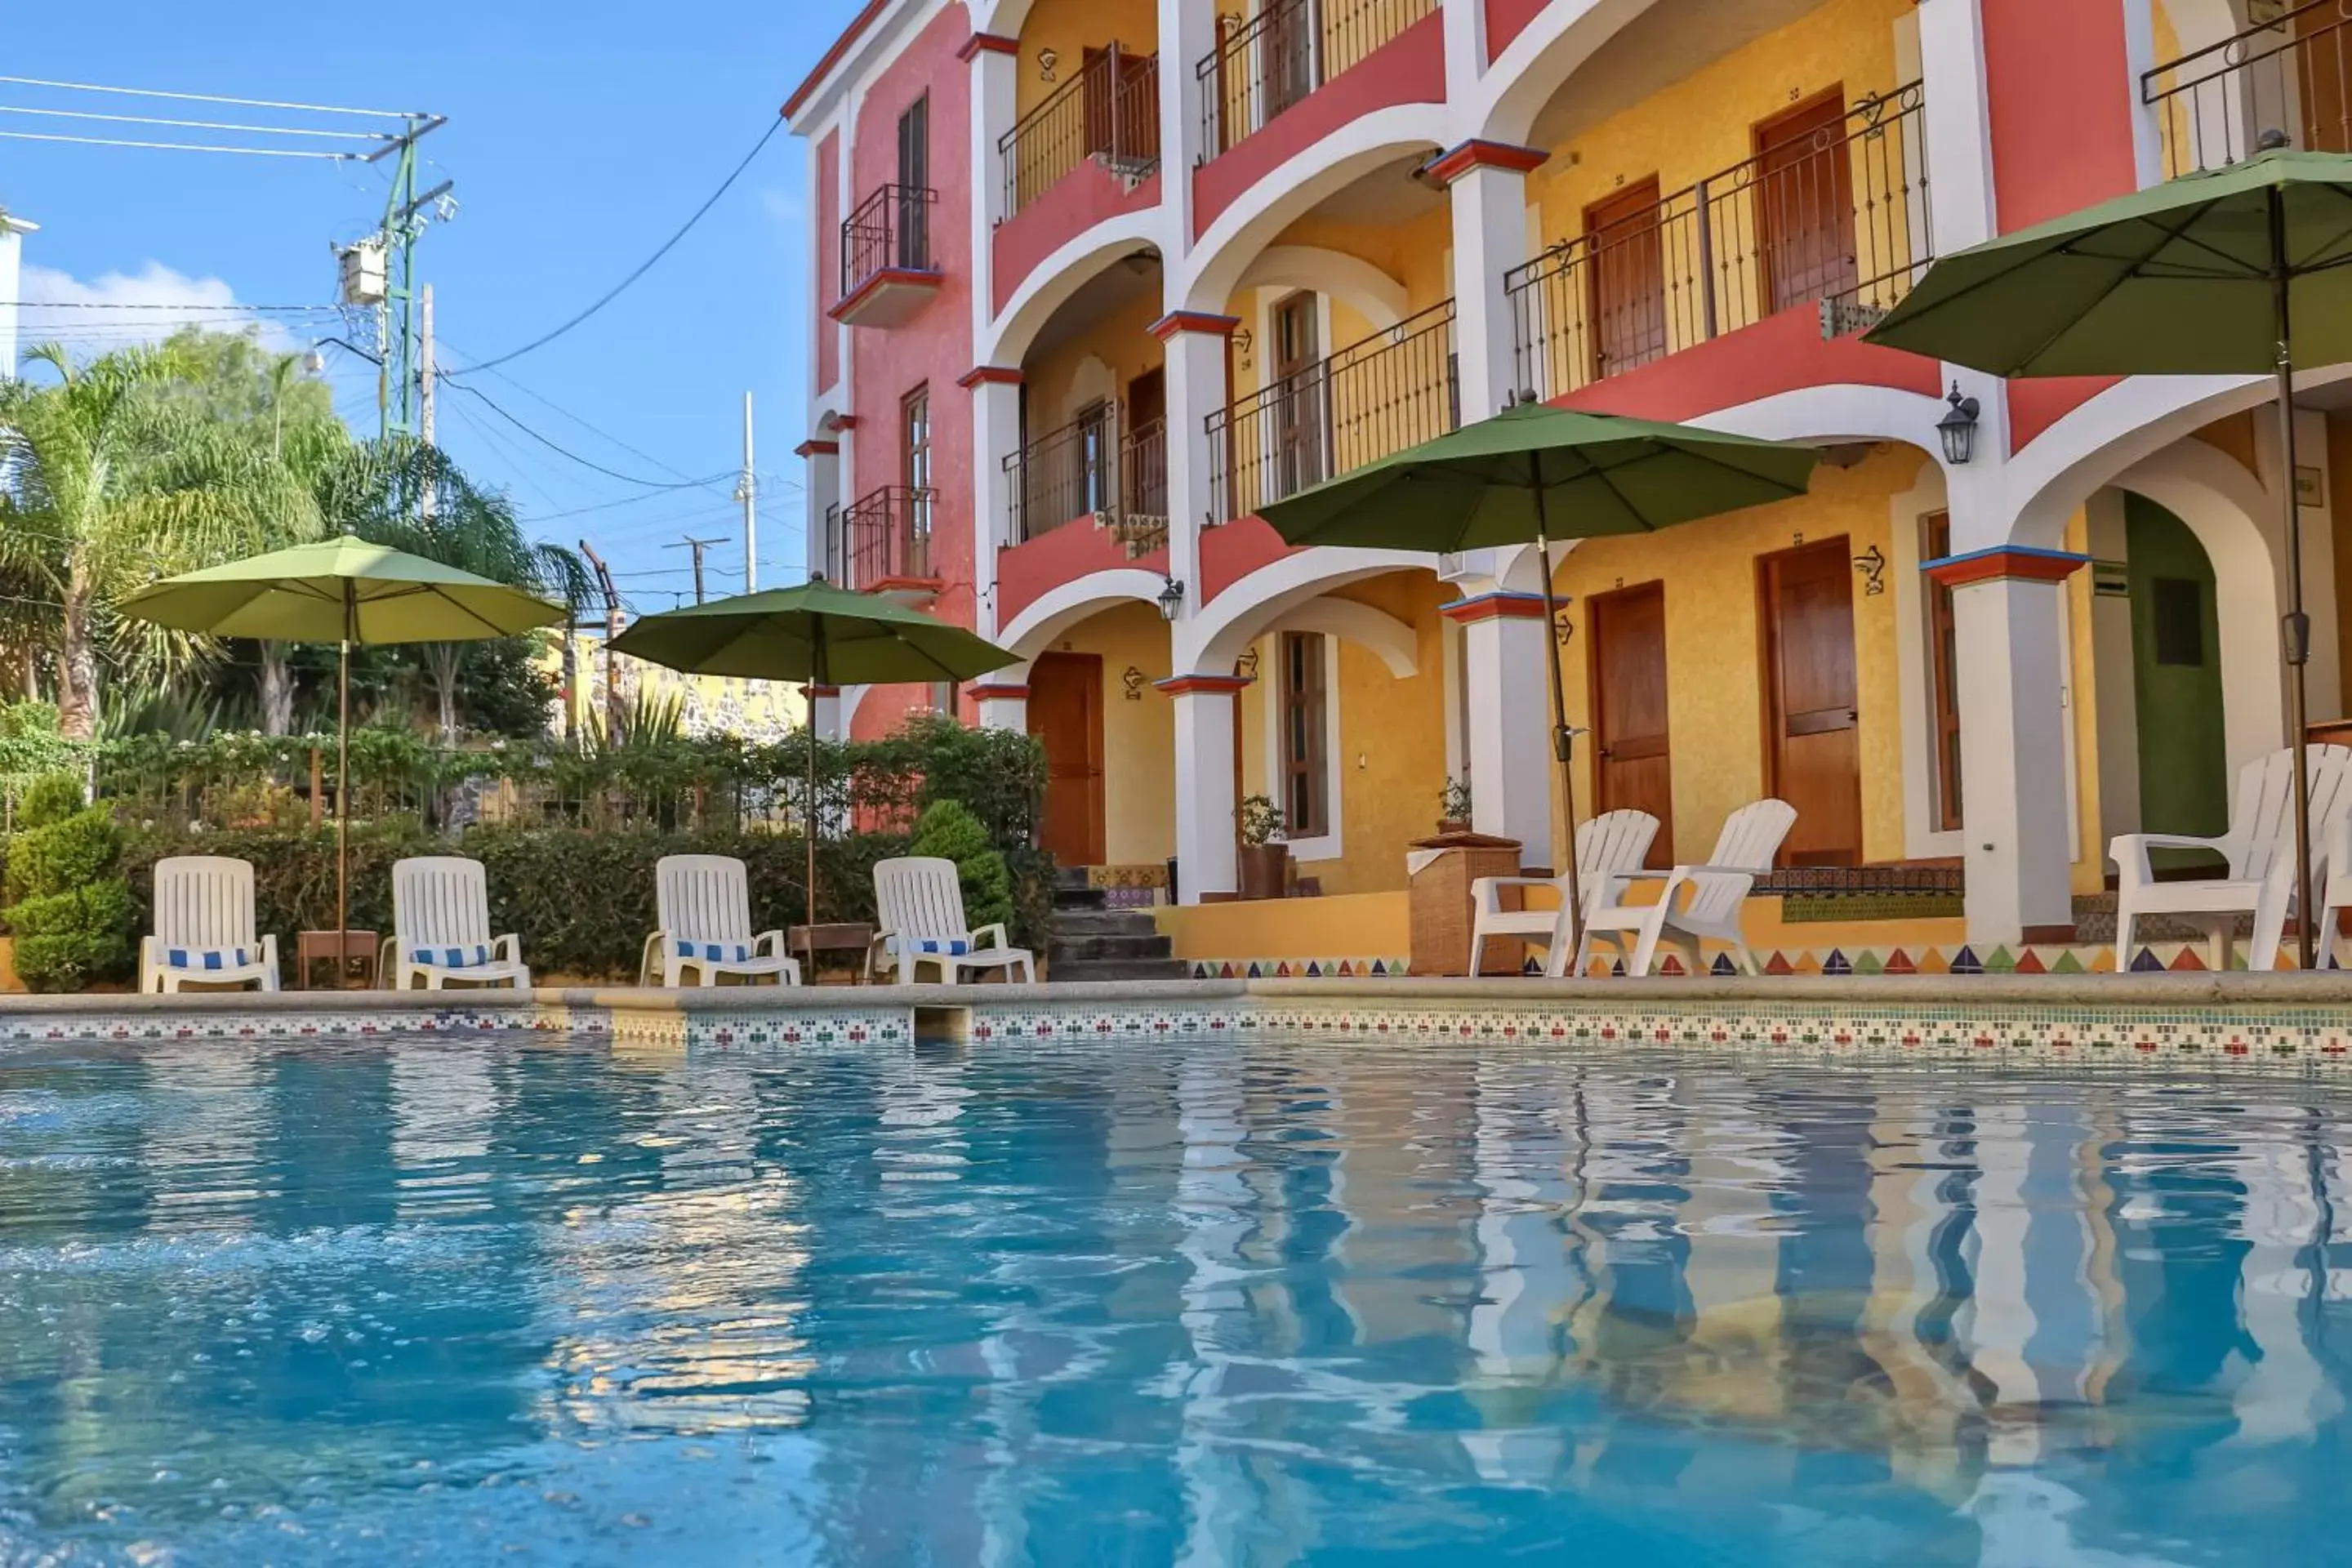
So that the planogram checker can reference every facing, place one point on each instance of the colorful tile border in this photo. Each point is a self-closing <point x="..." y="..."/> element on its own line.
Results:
<point x="2054" y="958"/>
<point x="747" y="1029"/>
<point x="1375" y="968"/>
<point x="41" y="1028"/>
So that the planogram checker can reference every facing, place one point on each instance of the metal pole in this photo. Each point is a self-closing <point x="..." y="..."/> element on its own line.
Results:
<point x="344" y="787"/>
<point x="748" y="492"/>
<point x="425" y="375"/>
<point x="1561" y="747"/>
<point x="816" y="679"/>
<point x="2295" y="631"/>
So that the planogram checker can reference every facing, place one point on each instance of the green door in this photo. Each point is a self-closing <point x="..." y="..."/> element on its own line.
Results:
<point x="2184" y="784"/>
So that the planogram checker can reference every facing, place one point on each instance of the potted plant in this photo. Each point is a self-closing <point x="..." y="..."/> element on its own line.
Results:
<point x="1265" y="852"/>
<point x="1453" y="806"/>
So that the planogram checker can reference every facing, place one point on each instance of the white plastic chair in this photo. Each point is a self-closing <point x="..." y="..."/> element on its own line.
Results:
<point x="204" y="927"/>
<point x="441" y="928"/>
<point x="1613" y="841"/>
<point x="921" y="922"/>
<point x="1744" y="851"/>
<point x="2258" y="853"/>
<point x="704" y="904"/>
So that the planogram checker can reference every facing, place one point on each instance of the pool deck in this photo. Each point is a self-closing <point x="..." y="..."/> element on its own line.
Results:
<point x="2208" y="1019"/>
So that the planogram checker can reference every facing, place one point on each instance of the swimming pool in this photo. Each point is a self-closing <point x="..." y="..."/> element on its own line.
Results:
<point x="1233" y="1300"/>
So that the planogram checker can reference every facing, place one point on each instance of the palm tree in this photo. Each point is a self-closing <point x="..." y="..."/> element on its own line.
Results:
<point x="105" y="485"/>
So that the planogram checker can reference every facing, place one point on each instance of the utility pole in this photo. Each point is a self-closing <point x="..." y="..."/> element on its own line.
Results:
<point x="425" y="367"/>
<point x="747" y="490"/>
<point x="698" y="546"/>
<point x="381" y="270"/>
<point x="612" y="630"/>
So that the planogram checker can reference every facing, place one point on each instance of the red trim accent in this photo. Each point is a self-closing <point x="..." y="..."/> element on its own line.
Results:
<point x="1506" y="20"/>
<point x="1088" y="194"/>
<point x="1505" y="606"/>
<point x="906" y="586"/>
<point x="1176" y="321"/>
<point x="1476" y="155"/>
<point x="1778" y="354"/>
<point x="821" y="691"/>
<point x="889" y="276"/>
<point x="1178" y="685"/>
<point x="988" y="376"/>
<point x="980" y="44"/>
<point x="998" y="693"/>
<point x="2005" y="561"/>
<point x="845" y="422"/>
<point x="815" y="449"/>
<point x="1028" y="571"/>
<point x="833" y="56"/>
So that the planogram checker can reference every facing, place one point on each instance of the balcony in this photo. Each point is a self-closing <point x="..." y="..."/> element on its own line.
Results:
<point x="881" y="544"/>
<point x="1269" y="62"/>
<point x="1836" y="220"/>
<point x="1098" y="470"/>
<point x="2293" y="74"/>
<point x="1107" y="116"/>
<point x="888" y="271"/>
<point x="1381" y="394"/>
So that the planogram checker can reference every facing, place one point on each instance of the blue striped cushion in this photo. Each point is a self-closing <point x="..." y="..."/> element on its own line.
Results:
<point x="723" y="951"/>
<point x="952" y="947"/>
<point x="207" y="957"/>
<point x="451" y="957"/>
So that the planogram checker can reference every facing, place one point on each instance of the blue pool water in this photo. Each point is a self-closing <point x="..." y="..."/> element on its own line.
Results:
<point x="1187" y="1303"/>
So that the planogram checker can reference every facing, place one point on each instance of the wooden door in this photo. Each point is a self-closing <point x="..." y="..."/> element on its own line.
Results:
<point x="1297" y="401"/>
<point x="1804" y="204"/>
<point x="1143" y="458"/>
<point x="1065" y="699"/>
<point x="2323" y="78"/>
<point x="1813" y="752"/>
<point x="1632" y="765"/>
<point x="914" y="183"/>
<point x="1288" y="44"/>
<point x="1625" y="292"/>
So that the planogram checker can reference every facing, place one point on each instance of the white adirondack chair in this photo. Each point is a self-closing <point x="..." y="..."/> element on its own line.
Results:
<point x="922" y="922"/>
<point x="204" y="927"/>
<point x="2335" y="879"/>
<point x="2258" y="852"/>
<point x="1698" y="901"/>
<point x="704" y="904"/>
<point x="441" y="928"/>
<point x="1613" y="841"/>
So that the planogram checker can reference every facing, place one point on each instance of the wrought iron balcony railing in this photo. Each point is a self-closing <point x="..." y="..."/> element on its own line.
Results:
<point x="1378" y="395"/>
<point x="1263" y="63"/>
<point x="1093" y="467"/>
<point x="2293" y="74"/>
<point x="882" y="539"/>
<point x="1835" y="218"/>
<point x="890" y="231"/>
<point x="1108" y="113"/>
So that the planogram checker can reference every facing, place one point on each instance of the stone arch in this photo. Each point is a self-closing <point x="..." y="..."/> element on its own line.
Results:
<point x="1214" y="270"/>
<point x="1554" y="45"/>
<point x="1374" y="630"/>
<point x="1055" y="280"/>
<point x="1212" y="641"/>
<point x="1043" y="620"/>
<point x="1371" y="292"/>
<point x="1833" y="414"/>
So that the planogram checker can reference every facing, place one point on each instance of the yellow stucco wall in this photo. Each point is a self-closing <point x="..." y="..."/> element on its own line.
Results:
<point x="1714" y="688"/>
<point x="1056" y="387"/>
<point x="1138" y="734"/>
<point x="2088" y="874"/>
<point x="1070" y="28"/>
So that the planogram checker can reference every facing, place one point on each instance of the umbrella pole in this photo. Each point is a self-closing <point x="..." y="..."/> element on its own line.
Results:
<point x="342" y="811"/>
<point x="2296" y="631"/>
<point x="1562" y="744"/>
<point x="816" y="679"/>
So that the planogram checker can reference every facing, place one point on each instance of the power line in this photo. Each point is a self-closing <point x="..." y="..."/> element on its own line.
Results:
<point x="646" y="266"/>
<point x="197" y="124"/>
<point x="549" y="403"/>
<point x="215" y="98"/>
<point x="183" y="146"/>
<point x="561" y="451"/>
<point x="170" y="305"/>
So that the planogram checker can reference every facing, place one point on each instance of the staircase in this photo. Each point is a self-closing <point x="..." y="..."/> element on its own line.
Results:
<point x="1090" y="941"/>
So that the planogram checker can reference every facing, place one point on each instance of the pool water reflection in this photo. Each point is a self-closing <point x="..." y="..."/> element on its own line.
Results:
<point x="1199" y="1303"/>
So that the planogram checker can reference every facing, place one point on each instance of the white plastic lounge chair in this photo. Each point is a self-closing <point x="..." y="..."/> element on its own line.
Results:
<point x="1613" y="841"/>
<point x="2334" y="875"/>
<point x="204" y="927"/>
<point x="919" y="904"/>
<point x="441" y="928"/>
<point x="2259" y="855"/>
<point x="1698" y="901"/>
<point x="704" y="903"/>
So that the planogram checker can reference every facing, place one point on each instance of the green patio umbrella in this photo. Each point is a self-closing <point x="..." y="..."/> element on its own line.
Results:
<point x="1533" y="474"/>
<point x="2209" y="273"/>
<point x="818" y="635"/>
<point x="342" y="591"/>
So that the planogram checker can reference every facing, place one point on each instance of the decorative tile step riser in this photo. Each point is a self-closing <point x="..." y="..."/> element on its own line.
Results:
<point x="2166" y="957"/>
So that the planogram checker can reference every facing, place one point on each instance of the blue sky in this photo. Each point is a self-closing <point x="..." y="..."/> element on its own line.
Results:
<point x="580" y="136"/>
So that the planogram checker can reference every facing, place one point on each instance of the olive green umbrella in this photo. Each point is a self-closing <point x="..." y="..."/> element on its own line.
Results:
<point x="818" y="635"/>
<point x="1535" y="473"/>
<point x="2207" y="274"/>
<point x="342" y="591"/>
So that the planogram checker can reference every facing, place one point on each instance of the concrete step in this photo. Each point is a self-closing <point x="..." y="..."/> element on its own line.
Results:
<point x="1117" y="948"/>
<point x="1080" y="899"/>
<point x="1075" y="923"/>
<point x="1117" y="969"/>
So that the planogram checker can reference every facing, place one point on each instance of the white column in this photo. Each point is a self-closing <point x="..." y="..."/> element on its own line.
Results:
<point x="821" y="491"/>
<point x="1959" y="116"/>
<point x="1490" y="238"/>
<point x="995" y="70"/>
<point x="1510" y="756"/>
<point x="1205" y="862"/>
<point x="829" y="722"/>
<point x="2014" y="741"/>
<point x="1004" y="699"/>
<point x="12" y="244"/>
<point x="995" y="433"/>
<point x="1188" y="32"/>
<point x="1195" y="364"/>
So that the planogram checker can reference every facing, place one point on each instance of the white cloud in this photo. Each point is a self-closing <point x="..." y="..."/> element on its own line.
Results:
<point x="783" y="205"/>
<point x="116" y="308"/>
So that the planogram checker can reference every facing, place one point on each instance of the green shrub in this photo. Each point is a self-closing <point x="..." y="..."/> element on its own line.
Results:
<point x="65" y="940"/>
<point x="49" y="799"/>
<point x="66" y="855"/>
<point x="952" y="832"/>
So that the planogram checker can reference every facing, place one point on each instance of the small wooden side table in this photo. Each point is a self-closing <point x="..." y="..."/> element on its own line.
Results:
<point x="319" y="947"/>
<point x="805" y="942"/>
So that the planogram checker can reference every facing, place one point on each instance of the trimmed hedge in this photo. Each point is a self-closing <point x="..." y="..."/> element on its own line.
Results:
<point x="71" y="913"/>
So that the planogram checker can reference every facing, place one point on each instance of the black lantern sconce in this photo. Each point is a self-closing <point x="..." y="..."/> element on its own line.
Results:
<point x="1171" y="600"/>
<point x="1958" y="429"/>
